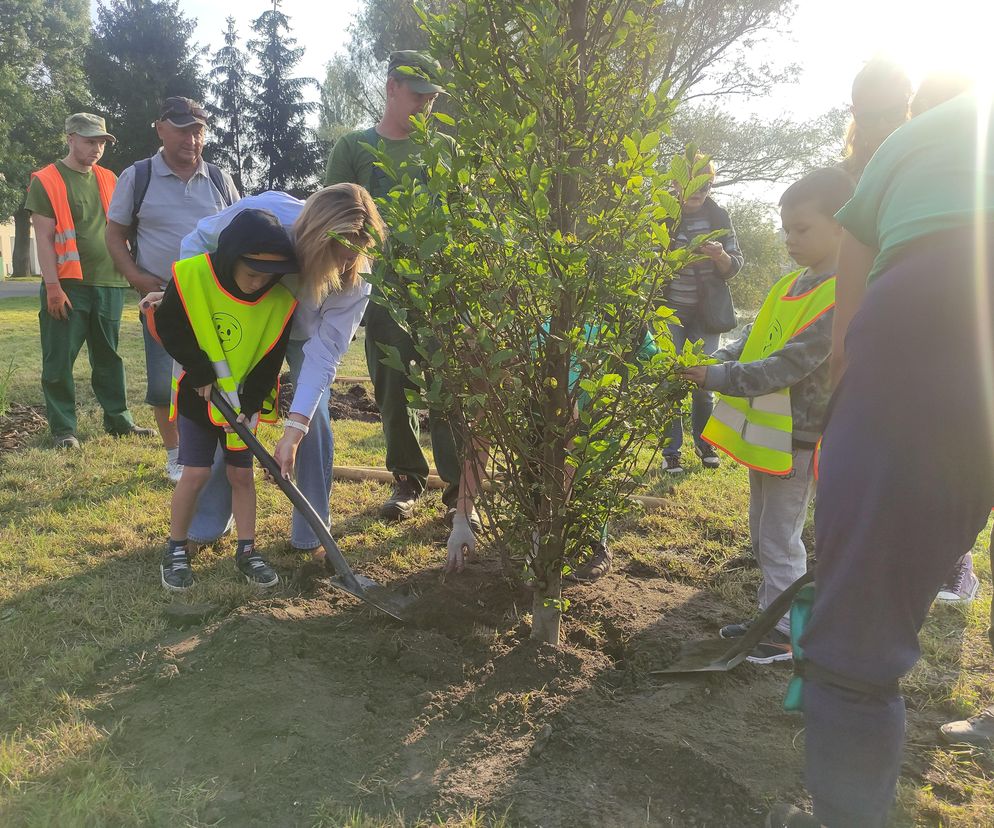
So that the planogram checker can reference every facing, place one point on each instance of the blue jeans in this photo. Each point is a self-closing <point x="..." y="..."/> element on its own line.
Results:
<point x="315" y="456"/>
<point x="158" y="369"/>
<point x="702" y="402"/>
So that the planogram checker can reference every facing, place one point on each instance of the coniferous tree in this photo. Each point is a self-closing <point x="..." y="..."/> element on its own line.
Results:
<point x="286" y="153"/>
<point x="227" y="86"/>
<point x="142" y="51"/>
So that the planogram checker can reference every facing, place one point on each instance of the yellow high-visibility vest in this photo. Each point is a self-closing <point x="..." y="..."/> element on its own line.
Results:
<point x="757" y="431"/>
<point x="234" y="333"/>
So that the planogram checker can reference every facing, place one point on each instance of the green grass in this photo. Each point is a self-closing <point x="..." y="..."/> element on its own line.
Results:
<point x="79" y="537"/>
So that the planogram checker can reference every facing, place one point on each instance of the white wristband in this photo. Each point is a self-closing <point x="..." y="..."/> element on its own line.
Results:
<point x="296" y="425"/>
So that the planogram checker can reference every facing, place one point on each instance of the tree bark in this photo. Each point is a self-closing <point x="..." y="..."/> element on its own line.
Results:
<point x="22" y="244"/>
<point x="546" y="616"/>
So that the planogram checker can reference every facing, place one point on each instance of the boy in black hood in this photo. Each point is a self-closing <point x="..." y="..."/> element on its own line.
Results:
<point x="224" y="319"/>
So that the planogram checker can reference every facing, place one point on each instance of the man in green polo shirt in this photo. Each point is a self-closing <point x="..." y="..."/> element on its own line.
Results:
<point x="411" y="90"/>
<point x="82" y="295"/>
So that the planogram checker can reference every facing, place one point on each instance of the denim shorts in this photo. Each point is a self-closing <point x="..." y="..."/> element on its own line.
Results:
<point x="158" y="369"/>
<point x="198" y="445"/>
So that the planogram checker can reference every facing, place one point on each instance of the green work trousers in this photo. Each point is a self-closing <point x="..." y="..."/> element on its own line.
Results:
<point x="95" y="319"/>
<point x="401" y="428"/>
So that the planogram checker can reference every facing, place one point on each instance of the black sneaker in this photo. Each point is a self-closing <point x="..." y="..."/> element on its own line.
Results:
<point x="175" y="570"/>
<point x="775" y="647"/>
<point x="597" y="566"/>
<point x="734" y="630"/>
<point x="255" y="569"/>
<point x="474" y="520"/>
<point x="783" y="815"/>
<point x="671" y="463"/>
<point x="709" y="457"/>
<point x="400" y="506"/>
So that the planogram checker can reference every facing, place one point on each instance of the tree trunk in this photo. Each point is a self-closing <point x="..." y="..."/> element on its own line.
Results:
<point x="546" y="615"/>
<point x="22" y="244"/>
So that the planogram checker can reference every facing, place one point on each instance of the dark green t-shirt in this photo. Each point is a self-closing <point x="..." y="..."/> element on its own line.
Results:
<point x="351" y="162"/>
<point x="930" y="175"/>
<point x="90" y="220"/>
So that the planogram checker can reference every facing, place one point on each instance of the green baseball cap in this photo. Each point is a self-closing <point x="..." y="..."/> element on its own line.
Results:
<point x="88" y="126"/>
<point x="419" y="70"/>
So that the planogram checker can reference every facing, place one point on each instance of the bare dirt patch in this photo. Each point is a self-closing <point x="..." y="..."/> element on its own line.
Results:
<point x="311" y="698"/>
<point x="19" y="424"/>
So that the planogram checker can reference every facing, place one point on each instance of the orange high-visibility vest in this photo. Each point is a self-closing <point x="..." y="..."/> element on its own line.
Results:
<point x="66" y="251"/>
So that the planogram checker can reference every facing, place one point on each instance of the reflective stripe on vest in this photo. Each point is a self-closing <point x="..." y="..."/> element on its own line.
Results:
<point x="66" y="252"/>
<point x="757" y="431"/>
<point x="234" y="333"/>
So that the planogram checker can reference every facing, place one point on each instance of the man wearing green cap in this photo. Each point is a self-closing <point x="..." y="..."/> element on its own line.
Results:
<point x="411" y="90"/>
<point x="83" y="294"/>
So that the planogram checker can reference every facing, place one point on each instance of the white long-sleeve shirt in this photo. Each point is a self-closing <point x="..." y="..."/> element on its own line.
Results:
<point x="326" y="331"/>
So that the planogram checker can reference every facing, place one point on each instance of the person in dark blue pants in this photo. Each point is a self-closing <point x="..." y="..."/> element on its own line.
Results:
<point x="916" y="280"/>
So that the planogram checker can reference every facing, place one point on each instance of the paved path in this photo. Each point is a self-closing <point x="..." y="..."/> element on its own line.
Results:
<point x="8" y="289"/>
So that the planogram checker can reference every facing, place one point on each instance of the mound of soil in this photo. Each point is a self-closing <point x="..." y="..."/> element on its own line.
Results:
<point x="294" y="701"/>
<point x="19" y="424"/>
<point x="352" y="403"/>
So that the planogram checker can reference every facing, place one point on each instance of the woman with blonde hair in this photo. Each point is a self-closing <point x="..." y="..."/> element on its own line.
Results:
<point x="335" y="232"/>
<point x="881" y="92"/>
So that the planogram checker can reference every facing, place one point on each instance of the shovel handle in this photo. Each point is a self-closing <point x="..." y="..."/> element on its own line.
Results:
<point x="301" y="503"/>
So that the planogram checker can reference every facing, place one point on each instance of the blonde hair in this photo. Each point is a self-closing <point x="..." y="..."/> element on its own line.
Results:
<point x="333" y="215"/>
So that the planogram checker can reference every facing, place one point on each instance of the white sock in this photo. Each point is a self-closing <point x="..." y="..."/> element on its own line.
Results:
<point x="172" y="455"/>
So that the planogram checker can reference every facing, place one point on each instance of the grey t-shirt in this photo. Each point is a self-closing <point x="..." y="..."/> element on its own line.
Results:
<point x="171" y="209"/>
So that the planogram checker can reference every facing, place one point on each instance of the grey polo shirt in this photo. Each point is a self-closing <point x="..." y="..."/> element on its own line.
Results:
<point x="171" y="209"/>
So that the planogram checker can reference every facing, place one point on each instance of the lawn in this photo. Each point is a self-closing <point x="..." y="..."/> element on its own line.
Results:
<point x="109" y="715"/>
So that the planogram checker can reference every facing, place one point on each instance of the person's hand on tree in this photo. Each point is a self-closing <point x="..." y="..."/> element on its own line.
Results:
<point x="461" y="542"/>
<point x="58" y="304"/>
<point x="712" y="249"/>
<point x="696" y="374"/>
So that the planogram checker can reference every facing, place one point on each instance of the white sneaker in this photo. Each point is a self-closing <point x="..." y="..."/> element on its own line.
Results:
<point x="174" y="471"/>
<point x="962" y="586"/>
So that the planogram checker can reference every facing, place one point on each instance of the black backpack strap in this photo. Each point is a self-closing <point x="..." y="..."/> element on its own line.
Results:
<point x="217" y="179"/>
<point x="143" y="175"/>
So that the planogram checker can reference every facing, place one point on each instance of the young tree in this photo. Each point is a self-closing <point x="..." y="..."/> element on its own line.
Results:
<point x="340" y="110"/>
<point x="286" y="153"/>
<point x="530" y="264"/>
<point x="41" y="82"/>
<point x="142" y="52"/>
<point x="227" y="86"/>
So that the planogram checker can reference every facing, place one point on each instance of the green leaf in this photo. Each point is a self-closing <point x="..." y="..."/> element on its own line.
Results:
<point x="448" y="120"/>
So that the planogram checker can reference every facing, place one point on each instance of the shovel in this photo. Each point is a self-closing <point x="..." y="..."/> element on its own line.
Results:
<point x="721" y="654"/>
<point x="363" y="588"/>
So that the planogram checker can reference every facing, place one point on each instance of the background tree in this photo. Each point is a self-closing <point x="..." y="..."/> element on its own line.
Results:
<point x="530" y="264"/>
<point x="227" y="86"/>
<point x="284" y="147"/>
<point x="141" y="52"/>
<point x="41" y="82"/>
<point x="707" y="50"/>
<point x="340" y="109"/>
<point x="757" y="227"/>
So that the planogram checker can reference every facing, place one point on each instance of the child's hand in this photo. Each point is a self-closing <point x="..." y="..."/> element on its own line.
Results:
<point x="696" y="374"/>
<point x="205" y="391"/>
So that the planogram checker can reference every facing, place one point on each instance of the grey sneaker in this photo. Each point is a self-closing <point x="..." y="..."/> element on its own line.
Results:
<point x="962" y="586"/>
<point x="734" y="630"/>
<point x="709" y="457"/>
<point x="775" y="647"/>
<point x="783" y="815"/>
<point x="671" y="464"/>
<point x="977" y="730"/>
<point x="255" y="569"/>
<point x="174" y="570"/>
<point x="67" y="441"/>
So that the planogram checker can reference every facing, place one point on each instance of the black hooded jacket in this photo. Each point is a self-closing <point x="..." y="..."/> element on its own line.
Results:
<point x="250" y="231"/>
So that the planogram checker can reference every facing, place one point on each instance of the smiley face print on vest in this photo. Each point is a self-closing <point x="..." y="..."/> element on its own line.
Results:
<point x="772" y="338"/>
<point x="229" y="331"/>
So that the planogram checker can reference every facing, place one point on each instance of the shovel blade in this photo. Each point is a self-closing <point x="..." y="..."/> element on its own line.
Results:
<point x="711" y="655"/>
<point x="365" y="589"/>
